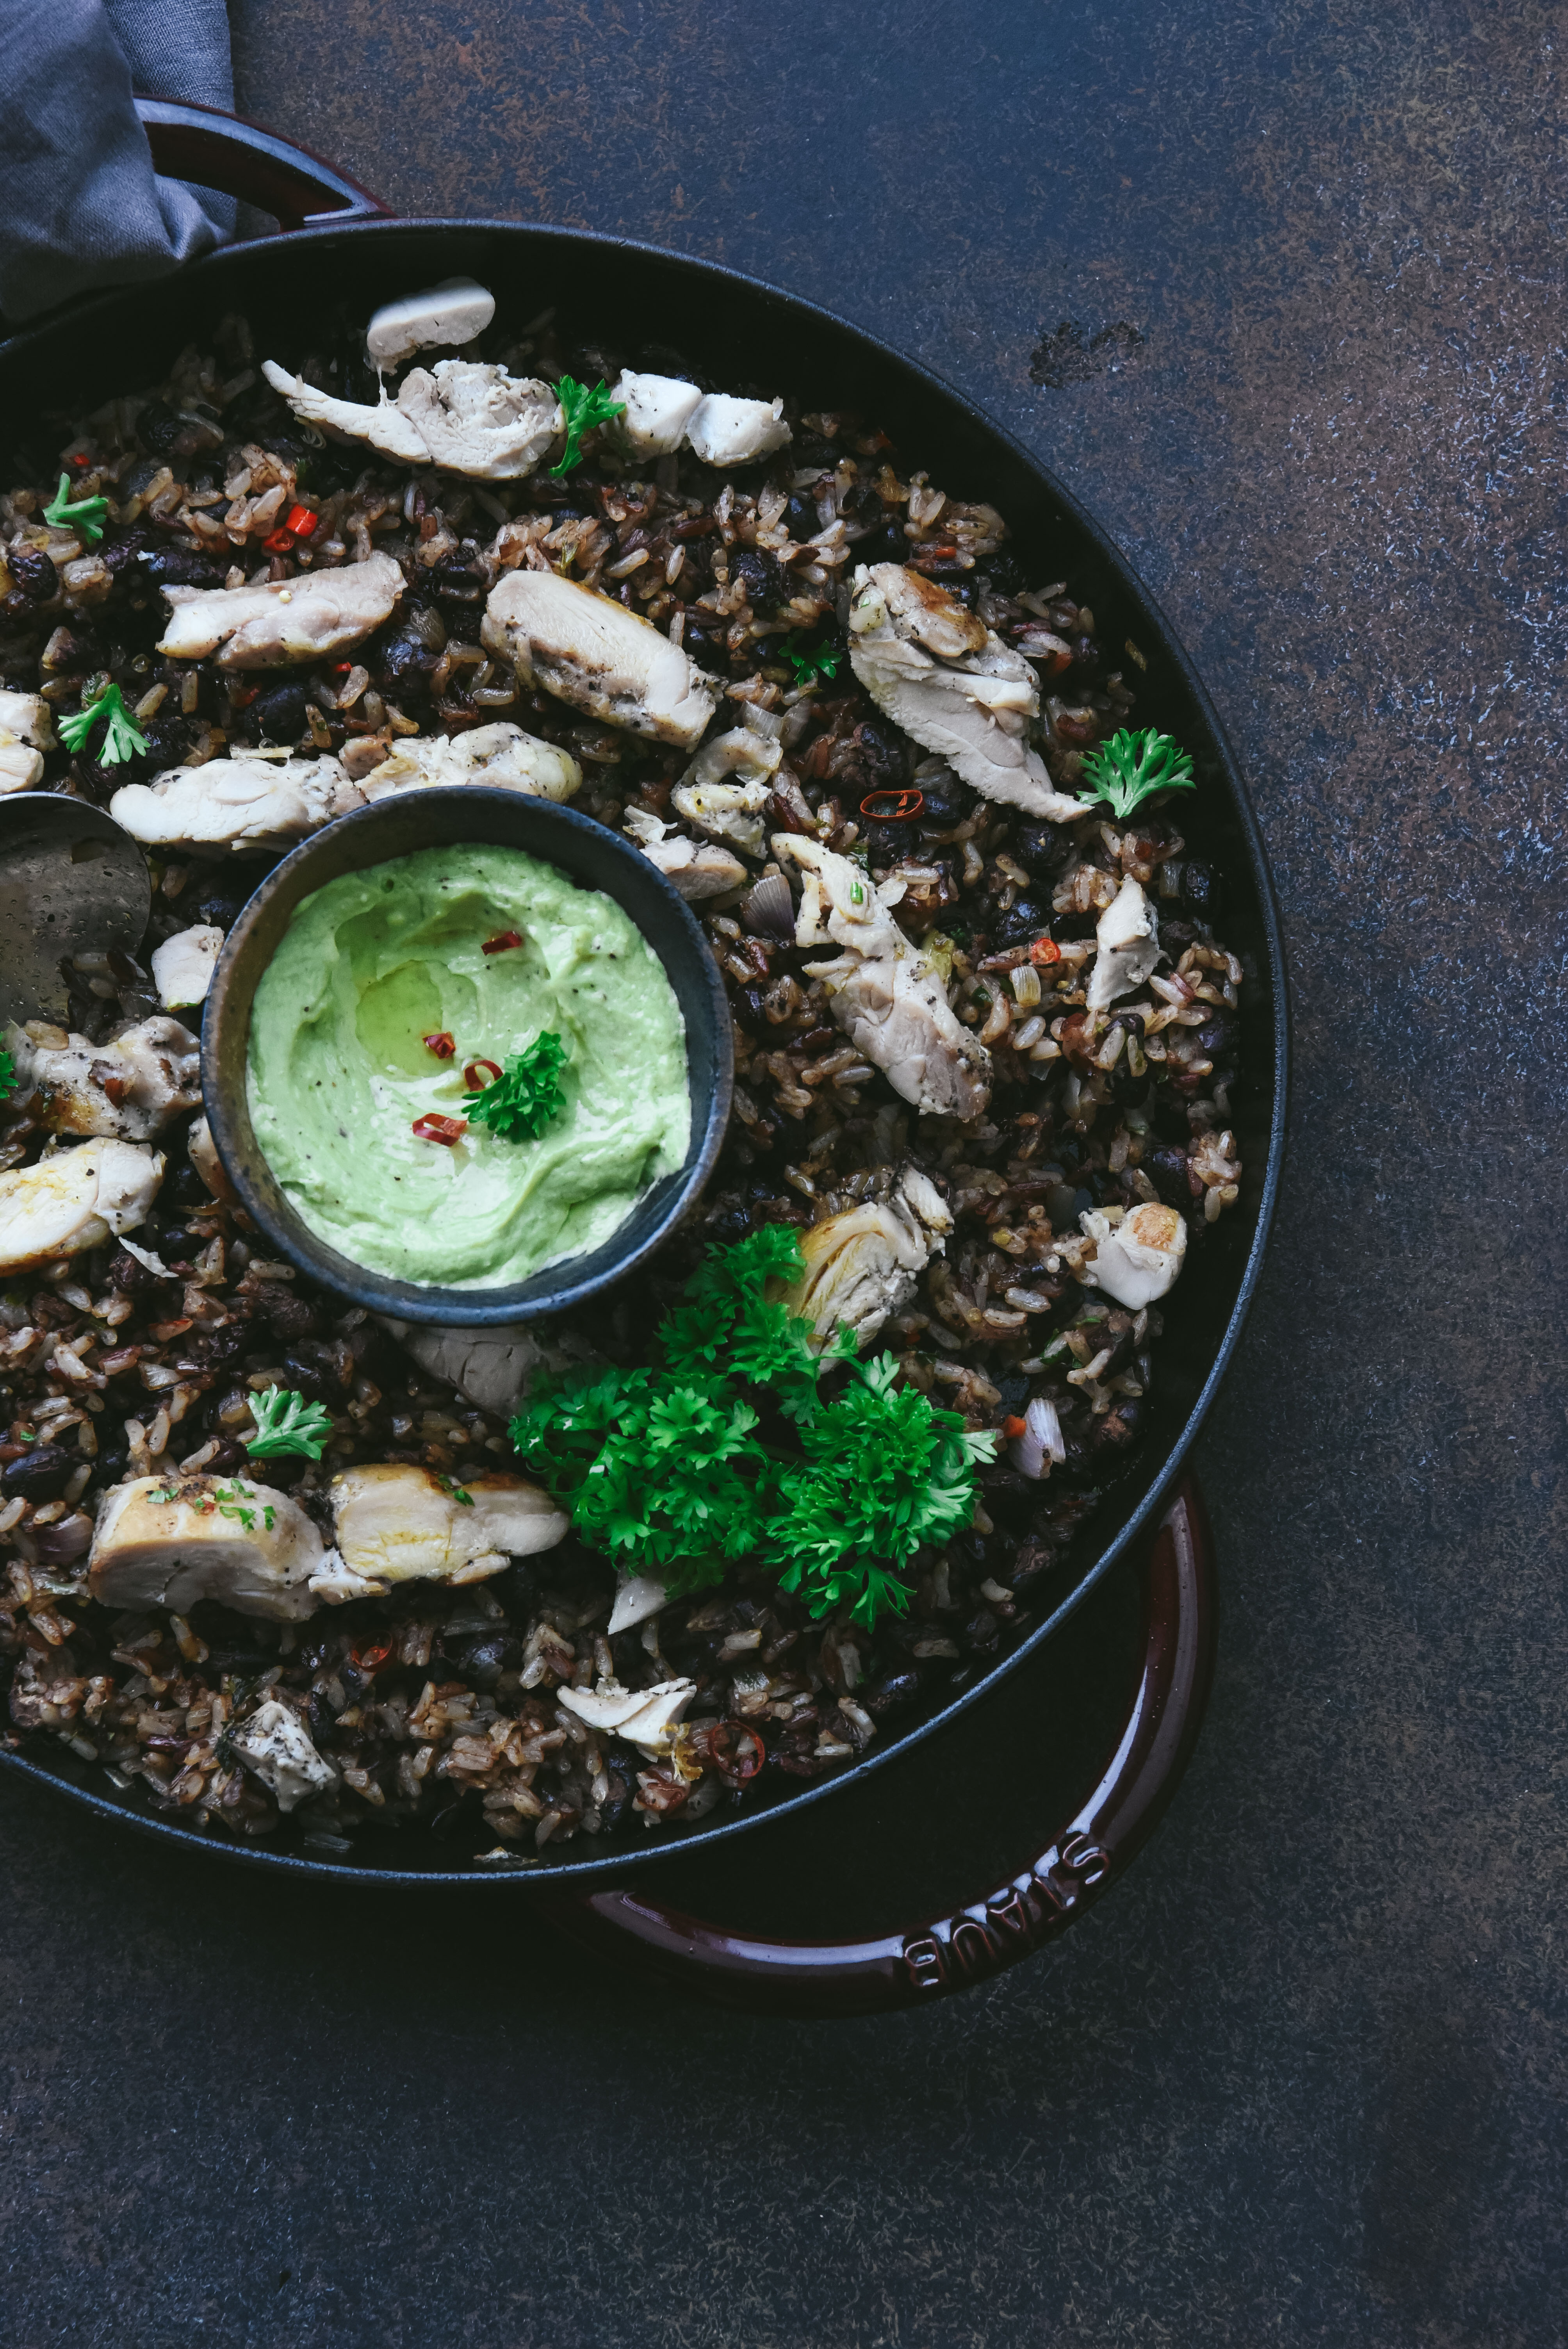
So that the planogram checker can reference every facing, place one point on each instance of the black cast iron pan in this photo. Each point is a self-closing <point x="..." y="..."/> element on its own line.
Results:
<point x="340" y="251"/>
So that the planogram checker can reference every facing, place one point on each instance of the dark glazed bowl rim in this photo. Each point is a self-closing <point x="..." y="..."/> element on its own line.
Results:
<point x="326" y="252"/>
<point x="440" y="816"/>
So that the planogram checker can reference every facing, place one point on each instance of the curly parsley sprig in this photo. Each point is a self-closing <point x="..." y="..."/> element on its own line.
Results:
<point x="666" y="1470"/>
<point x="526" y="1095"/>
<point x="812" y="663"/>
<point x="1130" y="767"/>
<point x="123" y="737"/>
<point x="287" y="1427"/>
<point x="8" y="1076"/>
<point x="583" y="406"/>
<point x="86" y="517"/>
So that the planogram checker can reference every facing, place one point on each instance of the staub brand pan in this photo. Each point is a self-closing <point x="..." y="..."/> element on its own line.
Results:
<point x="336" y="244"/>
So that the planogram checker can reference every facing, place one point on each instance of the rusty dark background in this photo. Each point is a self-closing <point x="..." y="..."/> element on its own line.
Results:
<point x="1279" y="292"/>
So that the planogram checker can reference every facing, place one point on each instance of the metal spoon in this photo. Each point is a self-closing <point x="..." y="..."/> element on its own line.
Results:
<point x="71" y="882"/>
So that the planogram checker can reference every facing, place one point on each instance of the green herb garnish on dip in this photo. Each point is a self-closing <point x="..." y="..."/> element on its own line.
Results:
<point x="396" y="994"/>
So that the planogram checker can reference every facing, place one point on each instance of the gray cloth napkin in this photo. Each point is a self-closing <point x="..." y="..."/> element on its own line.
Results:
<point x="81" y="204"/>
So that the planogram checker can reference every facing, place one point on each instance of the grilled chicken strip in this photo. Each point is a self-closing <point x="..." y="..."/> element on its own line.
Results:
<point x="26" y="733"/>
<point x="498" y="755"/>
<point x="862" y="1265"/>
<point x="460" y="414"/>
<point x="1138" y="1258"/>
<point x="1127" y="938"/>
<point x="658" y="408"/>
<point x="725" y="431"/>
<point x="882" y="992"/>
<point x="590" y="651"/>
<point x="455" y="311"/>
<point x="729" y="810"/>
<point x="699" y="868"/>
<point x="402" y="1523"/>
<point x="182" y="966"/>
<point x="941" y="675"/>
<point x="275" y="1744"/>
<point x="130" y="1088"/>
<point x="75" y="1199"/>
<point x="275" y="625"/>
<point x="167" y="1541"/>
<point x="243" y="804"/>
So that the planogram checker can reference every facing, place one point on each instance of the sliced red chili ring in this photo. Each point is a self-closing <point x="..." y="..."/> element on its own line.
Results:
<point x="727" y="1751"/>
<point x="472" y="1079"/>
<point x="892" y="807"/>
<point x="367" y="1660"/>
<point x="441" y="1043"/>
<point x="1044" y="951"/>
<point x="447" y="1130"/>
<point x="281" y="542"/>
<point x="501" y="941"/>
<point x="301" y="521"/>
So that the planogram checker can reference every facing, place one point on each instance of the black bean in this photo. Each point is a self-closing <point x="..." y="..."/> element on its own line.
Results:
<point x="158" y="428"/>
<point x="1005" y="573"/>
<point x="1120" y="1429"/>
<point x="1217" y="1038"/>
<point x="1201" y="889"/>
<point x="888" y="1690"/>
<point x="33" y="573"/>
<point x="129" y="1277"/>
<point x="40" y="1474"/>
<point x="1127" y="1090"/>
<point x="220" y="913"/>
<point x="1014" y="1393"/>
<point x="980" y="1632"/>
<point x="947" y="801"/>
<point x="179" y="567"/>
<point x="1167" y="1170"/>
<point x="291" y="1316"/>
<point x="1030" y="917"/>
<point x="1044" y="849"/>
<point x="801" y="519"/>
<point x="759" y="576"/>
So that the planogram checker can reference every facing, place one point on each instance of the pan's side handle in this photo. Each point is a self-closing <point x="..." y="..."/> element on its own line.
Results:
<point x="1067" y="1870"/>
<point x="242" y="158"/>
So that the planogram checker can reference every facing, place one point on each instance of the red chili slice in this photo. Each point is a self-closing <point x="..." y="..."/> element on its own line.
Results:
<point x="727" y="1751"/>
<point x="441" y="1043"/>
<point x="366" y="1660"/>
<point x="892" y="807"/>
<point x="447" y="1130"/>
<point x="1044" y="951"/>
<point x="301" y="521"/>
<point x="472" y="1080"/>
<point x="281" y="542"/>
<point x="501" y="941"/>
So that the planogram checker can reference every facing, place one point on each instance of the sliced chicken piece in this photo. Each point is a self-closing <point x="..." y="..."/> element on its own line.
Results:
<point x="75" y="1199"/>
<point x="645" y="1718"/>
<point x="725" y="431"/>
<point x="730" y="811"/>
<point x="882" y="991"/>
<point x="276" y="1746"/>
<point x="1127" y="941"/>
<point x="130" y="1088"/>
<point x="1137" y="1259"/>
<point x="203" y="1152"/>
<point x="590" y="651"/>
<point x="460" y="414"/>
<point x="248" y="805"/>
<point x="167" y="1541"/>
<point x="501" y="755"/>
<point x="277" y="624"/>
<point x="479" y="420"/>
<point x="182" y="966"/>
<point x="862" y="1265"/>
<point x="383" y="428"/>
<point x="638" y="1598"/>
<point x="455" y="311"/>
<point x="407" y="1525"/>
<point x="26" y="733"/>
<point x="699" y="868"/>
<point x="944" y="677"/>
<point x="658" y="410"/>
<point x="491" y="1367"/>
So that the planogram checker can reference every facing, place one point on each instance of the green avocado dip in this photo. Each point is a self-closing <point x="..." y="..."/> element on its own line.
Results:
<point x="340" y="1070"/>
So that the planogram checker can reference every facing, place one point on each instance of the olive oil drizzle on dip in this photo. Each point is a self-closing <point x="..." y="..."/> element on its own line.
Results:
<point x="339" y="1072"/>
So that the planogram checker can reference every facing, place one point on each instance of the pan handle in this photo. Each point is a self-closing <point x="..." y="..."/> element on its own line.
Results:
<point x="241" y="159"/>
<point x="1066" y="1873"/>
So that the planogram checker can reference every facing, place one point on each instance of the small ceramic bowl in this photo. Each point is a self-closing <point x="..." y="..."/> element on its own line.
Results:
<point x="591" y="856"/>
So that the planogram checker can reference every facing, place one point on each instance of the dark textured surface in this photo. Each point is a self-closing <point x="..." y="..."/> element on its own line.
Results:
<point x="1279" y="292"/>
